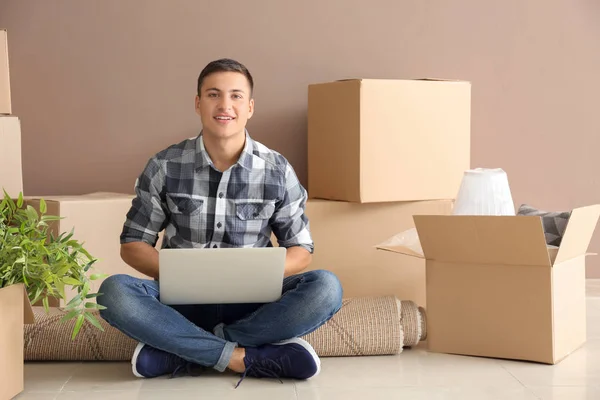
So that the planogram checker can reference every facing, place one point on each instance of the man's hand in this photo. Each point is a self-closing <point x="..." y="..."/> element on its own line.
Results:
<point x="297" y="259"/>
<point x="142" y="257"/>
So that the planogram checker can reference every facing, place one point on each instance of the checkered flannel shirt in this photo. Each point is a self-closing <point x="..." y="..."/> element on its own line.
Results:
<point x="181" y="192"/>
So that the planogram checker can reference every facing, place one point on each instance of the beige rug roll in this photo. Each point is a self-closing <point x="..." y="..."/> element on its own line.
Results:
<point x="363" y="326"/>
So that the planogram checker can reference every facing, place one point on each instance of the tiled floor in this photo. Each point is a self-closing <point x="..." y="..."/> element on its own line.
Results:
<point x="414" y="374"/>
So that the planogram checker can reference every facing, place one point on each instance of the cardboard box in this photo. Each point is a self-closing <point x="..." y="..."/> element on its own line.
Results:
<point x="98" y="221"/>
<point x="494" y="288"/>
<point x="345" y="236"/>
<point x="15" y="310"/>
<point x="377" y="140"/>
<point x="5" y="103"/>
<point x="11" y="173"/>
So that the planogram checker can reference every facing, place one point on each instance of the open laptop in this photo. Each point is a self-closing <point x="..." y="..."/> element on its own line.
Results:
<point x="221" y="276"/>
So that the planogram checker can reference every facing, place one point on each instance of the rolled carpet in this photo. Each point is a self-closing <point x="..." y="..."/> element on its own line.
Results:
<point x="363" y="326"/>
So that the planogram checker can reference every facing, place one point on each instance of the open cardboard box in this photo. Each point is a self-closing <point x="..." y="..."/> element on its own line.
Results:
<point x="15" y="310"/>
<point x="495" y="289"/>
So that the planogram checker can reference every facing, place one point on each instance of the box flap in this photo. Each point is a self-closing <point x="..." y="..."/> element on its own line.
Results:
<point x="441" y="80"/>
<point x="404" y="79"/>
<point x="578" y="233"/>
<point x="28" y="316"/>
<point x="511" y="240"/>
<point x="94" y="196"/>
<point x="401" y="250"/>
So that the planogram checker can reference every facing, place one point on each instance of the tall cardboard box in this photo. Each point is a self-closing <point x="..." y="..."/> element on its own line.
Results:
<point x="97" y="219"/>
<point x="345" y="235"/>
<point x="378" y="140"/>
<point x="15" y="310"/>
<point x="11" y="174"/>
<point x="5" y="102"/>
<point x="495" y="289"/>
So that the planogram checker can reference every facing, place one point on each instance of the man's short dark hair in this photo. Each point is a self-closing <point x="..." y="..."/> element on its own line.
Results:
<point x="225" y="65"/>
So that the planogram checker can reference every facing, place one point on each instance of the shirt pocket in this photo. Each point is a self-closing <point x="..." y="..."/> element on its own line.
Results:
<point x="251" y="222"/>
<point x="184" y="205"/>
<point x="254" y="211"/>
<point x="188" y="217"/>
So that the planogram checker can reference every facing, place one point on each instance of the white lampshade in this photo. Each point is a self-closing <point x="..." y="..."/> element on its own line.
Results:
<point x="484" y="191"/>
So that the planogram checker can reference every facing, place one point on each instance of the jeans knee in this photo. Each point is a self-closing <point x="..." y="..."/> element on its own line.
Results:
<point x="113" y="291"/>
<point x="329" y="290"/>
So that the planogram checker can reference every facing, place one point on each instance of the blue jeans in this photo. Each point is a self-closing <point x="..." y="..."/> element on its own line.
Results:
<point x="207" y="334"/>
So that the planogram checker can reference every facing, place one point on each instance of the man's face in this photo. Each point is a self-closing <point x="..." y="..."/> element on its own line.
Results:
<point x="224" y="104"/>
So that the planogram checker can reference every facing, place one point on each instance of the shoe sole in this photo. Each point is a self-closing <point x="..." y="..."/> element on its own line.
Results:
<point x="136" y="353"/>
<point x="307" y="347"/>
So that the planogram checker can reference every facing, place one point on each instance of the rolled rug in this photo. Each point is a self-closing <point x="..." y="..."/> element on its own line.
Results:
<point x="363" y="326"/>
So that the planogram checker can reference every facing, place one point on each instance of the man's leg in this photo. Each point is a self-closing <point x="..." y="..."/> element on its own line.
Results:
<point x="309" y="300"/>
<point x="132" y="306"/>
<point x="270" y="332"/>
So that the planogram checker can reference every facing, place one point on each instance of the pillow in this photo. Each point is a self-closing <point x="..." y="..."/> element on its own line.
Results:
<point x="554" y="223"/>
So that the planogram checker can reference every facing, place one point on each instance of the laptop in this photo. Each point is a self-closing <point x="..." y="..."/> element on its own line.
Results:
<point x="221" y="275"/>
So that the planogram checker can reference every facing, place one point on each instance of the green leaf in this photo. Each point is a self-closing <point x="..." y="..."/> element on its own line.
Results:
<point x="69" y="315"/>
<point x="92" y="319"/>
<point x="71" y="281"/>
<point x="88" y="255"/>
<point x="75" y="300"/>
<point x="94" y="277"/>
<point x="20" y="200"/>
<point x="77" y="327"/>
<point x="38" y="294"/>
<point x="92" y="295"/>
<point x="69" y="236"/>
<point x="45" y="302"/>
<point x="88" y="266"/>
<point x="32" y="214"/>
<point x="43" y="207"/>
<point x="60" y="287"/>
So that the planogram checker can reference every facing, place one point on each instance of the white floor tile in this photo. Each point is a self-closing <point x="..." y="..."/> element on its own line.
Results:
<point x="246" y="393"/>
<point x="411" y="368"/>
<point x="581" y="368"/>
<point x="415" y="393"/>
<point x="37" y="396"/>
<point x="103" y="376"/>
<point x="567" y="392"/>
<point x="48" y="376"/>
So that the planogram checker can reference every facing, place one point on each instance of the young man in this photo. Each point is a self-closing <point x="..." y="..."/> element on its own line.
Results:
<point x="220" y="189"/>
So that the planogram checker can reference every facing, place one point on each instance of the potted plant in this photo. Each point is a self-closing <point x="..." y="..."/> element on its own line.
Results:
<point x="44" y="264"/>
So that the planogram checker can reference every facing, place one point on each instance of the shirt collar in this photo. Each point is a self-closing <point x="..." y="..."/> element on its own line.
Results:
<point x="203" y="159"/>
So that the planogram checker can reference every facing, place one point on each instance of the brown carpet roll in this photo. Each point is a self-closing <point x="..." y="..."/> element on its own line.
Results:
<point x="363" y="326"/>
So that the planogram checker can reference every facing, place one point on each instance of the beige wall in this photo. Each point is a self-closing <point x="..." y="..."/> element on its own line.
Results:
<point x="110" y="82"/>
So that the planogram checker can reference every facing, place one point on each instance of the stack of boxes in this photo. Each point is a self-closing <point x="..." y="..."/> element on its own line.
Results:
<point x="11" y="176"/>
<point x="13" y="300"/>
<point x="385" y="156"/>
<point x="380" y="151"/>
<point x="97" y="219"/>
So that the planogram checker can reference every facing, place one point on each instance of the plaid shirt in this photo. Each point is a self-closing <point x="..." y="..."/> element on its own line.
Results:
<point x="181" y="192"/>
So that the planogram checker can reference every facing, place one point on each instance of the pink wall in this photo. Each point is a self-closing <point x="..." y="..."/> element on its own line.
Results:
<point x="109" y="83"/>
